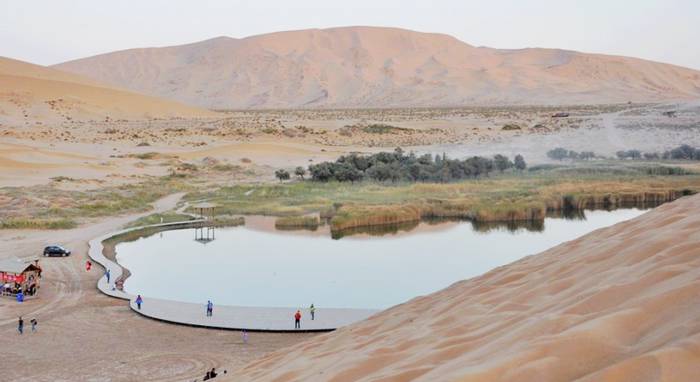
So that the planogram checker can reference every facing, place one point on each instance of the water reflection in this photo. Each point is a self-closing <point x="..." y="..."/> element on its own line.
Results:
<point x="374" y="268"/>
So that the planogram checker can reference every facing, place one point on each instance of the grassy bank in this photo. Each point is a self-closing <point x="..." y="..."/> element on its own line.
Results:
<point x="51" y="207"/>
<point x="297" y="222"/>
<point x="509" y="197"/>
<point x="166" y="217"/>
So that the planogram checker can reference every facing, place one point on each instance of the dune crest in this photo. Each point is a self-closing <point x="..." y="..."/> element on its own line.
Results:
<point x="36" y="94"/>
<point x="380" y="67"/>
<point x="619" y="304"/>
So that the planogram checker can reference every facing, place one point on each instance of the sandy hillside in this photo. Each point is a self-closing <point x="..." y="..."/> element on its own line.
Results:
<point x="619" y="304"/>
<point x="33" y="94"/>
<point x="380" y="67"/>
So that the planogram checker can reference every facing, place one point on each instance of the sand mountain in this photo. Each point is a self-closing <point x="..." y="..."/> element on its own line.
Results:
<point x="379" y="67"/>
<point x="618" y="304"/>
<point x="31" y="93"/>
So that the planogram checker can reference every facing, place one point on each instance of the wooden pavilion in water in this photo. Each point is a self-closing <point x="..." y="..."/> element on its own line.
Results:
<point x="204" y="230"/>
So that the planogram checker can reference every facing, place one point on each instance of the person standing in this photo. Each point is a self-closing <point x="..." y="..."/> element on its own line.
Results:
<point x="245" y="337"/>
<point x="210" y="308"/>
<point x="34" y="323"/>
<point x="139" y="301"/>
<point x="312" y="310"/>
<point x="107" y="274"/>
<point x="297" y="320"/>
<point x="88" y="266"/>
<point x="20" y="325"/>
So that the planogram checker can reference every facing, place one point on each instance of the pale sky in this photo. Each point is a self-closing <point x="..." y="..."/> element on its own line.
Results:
<point x="51" y="31"/>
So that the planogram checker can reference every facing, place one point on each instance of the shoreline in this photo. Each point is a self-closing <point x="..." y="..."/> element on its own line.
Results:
<point x="252" y="319"/>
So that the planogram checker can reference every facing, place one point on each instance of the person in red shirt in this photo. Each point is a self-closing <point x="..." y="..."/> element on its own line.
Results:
<point x="88" y="265"/>
<point x="297" y="320"/>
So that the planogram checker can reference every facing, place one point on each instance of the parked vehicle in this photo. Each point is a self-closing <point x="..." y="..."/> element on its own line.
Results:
<point x="56" y="250"/>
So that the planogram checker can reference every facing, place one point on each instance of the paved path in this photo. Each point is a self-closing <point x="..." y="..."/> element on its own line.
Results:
<point x="225" y="317"/>
<point x="248" y="318"/>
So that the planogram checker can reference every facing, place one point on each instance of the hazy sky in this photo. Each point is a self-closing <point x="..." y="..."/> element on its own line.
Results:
<point x="51" y="31"/>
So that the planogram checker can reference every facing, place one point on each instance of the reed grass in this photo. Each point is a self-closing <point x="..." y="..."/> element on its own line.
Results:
<point x="506" y="198"/>
<point x="297" y="222"/>
<point x="30" y="223"/>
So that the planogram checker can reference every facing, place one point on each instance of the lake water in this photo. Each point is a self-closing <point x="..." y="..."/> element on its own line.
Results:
<point x="252" y="267"/>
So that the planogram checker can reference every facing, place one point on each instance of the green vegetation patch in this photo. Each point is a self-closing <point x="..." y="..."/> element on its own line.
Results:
<point x="166" y="217"/>
<point x="296" y="222"/>
<point x="380" y="128"/>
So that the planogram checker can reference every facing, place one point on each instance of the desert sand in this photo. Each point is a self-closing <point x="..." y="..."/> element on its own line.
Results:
<point x="103" y="153"/>
<point x="39" y="95"/>
<point x="380" y="67"/>
<point x="619" y="304"/>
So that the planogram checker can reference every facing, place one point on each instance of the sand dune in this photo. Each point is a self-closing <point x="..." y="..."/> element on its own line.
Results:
<point x="32" y="93"/>
<point x="380" y="67"/>
<point x="619" y="304"/>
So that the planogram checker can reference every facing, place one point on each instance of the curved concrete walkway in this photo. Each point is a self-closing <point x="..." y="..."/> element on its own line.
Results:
<point x="253" y="319"/>
<point x="225" y="317"/>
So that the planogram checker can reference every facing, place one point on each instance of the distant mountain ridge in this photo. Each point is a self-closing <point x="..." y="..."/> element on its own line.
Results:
<point x="380" y="67"/>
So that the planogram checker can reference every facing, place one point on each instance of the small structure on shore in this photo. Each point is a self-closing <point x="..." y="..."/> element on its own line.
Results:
<point x="19" y="276"/>
<point x="204" y="231"/>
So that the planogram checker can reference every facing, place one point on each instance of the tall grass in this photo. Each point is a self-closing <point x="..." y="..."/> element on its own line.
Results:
<point x="20" y="223"/>
<point x="505" y="198"/>
<point x="297" y="222"/>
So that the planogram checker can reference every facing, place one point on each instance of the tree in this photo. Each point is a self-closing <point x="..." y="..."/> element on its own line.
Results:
<point x="398" y="166"/>
<point x="520" y="164"/>
<point x="300" y="172"/>
<point x="282" y="174"/>
<point x="502" y="162"/>
<point x="586" y="155"/>
<point x="322" y="172"/>
<point x="558" y="153"/>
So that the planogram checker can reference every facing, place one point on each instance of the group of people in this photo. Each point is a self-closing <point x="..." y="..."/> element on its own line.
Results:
<point x="297" y="316"/>
<point x="210" y="375"/>
<point x="210" y="312"/>
<point x="20" y="325"/>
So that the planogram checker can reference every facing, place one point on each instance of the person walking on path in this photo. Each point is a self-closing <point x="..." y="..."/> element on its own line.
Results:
<point x="139" y="301"/>
<point x="88" y="266"/>
<point x="20" y="325"/>
<point x="297" y="320"/>
<point x="34" y="322"/>
<point x="312" y="310"/>
<point x="210" y="308"/>
<point x="107" y="274"/>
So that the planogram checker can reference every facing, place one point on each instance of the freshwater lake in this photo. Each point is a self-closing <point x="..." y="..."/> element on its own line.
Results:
<point x="248" y="266"/>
